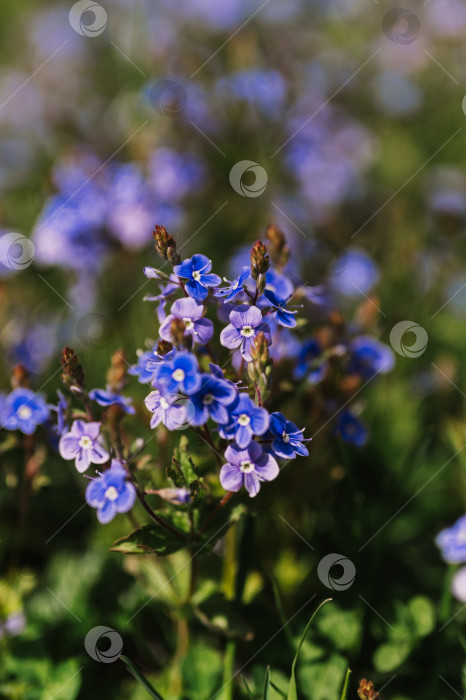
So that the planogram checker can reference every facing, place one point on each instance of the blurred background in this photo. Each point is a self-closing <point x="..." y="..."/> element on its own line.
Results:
<point x="346" y="118"/>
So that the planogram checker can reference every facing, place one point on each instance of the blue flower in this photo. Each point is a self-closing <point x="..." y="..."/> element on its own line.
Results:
<point x="179" y="373"/>
<point x="245" y="322"/>
<point x="197" y="271"/>
<point x="247" y="467"/>
<point x="83" y="443"/>
<point x="246" y="420"/>
<point x="354" y="273"/>
<point x="351" y="429"/>
<point x="369" y="356"/>
<point x="23" y="410"/>
<point x="201" y="329"/>
<point x="310" y="362"/>
<point x="173" y="411"/>
<point x="110" y="493"/>
<point x="452" y="542"/>
<point x="140" y="370"/>
<point x="282" y="315"/>
<point x="289" y="438"/>
<point x="235" y="287"/>
<point x="211" y="400"/>
<point x="107" y="398"/>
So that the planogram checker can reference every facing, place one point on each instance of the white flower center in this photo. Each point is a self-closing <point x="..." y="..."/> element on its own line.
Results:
<point x="24" y="412"/>
<point x="247" y="331"/>
<point x="178" y="375"/>
<point x="208" y="399"/>
<point x="85" y="442"/>
<point x="247" y="466"/>
<point x="285" y="437"/>
<point x="244" y="419"/>
<point x="189" y="323"/>
<point x="196" y="275"/>
<point x="111" y="493"/>
<point x="164" y="403"/>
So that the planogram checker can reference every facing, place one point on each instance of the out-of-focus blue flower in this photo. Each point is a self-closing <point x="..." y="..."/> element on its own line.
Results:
<point x="23" y="410"/>
<point x="310" y="362"/>
<point x="178" y="497"/>
<point x="369" y="356"/>
<point x="396" y="93"/>
<point x="84" y="444"/>
<point x="197" y="271"/>
<point x="282" y="315"/>
<point x="13" y="625"/>
<point x="264" y="89"/>
<point x="111" y="493"/>
<point x="247" y="467"/>
<point x="212" y="400"/>
<point x="234" y="288"/>
<point x="281" y="286"/>
<point x="173" y="176"/>
<point x="246" y="420"/>
<point x="190" y="312"/>
<point x="140" y="370"/>
<point x="351" y="429"/>
<point x="245" y="322"/>
<point x="354" y="273"/>
<point x="452" y="542"/>
<point x="458" y="585"/>
<point x="288" y="438"/>
<point x="107" y="398"/>
<point x="179" y="373"/>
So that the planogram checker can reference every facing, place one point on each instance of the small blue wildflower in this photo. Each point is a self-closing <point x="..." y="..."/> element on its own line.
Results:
<point x="235" y="287"/>
<point x="351" y="429"/>
<point x="188" y="311"/>
<point x="111" y="493"/>
<point x="288" y="438"/>
<point x="247" y="467"/>
<point x="197" y="271"/>
<point x="212" y="400"/>
<point x="23" y="410"/>
<point x="369" y="357"/>
<point x="107" y="398"/>
<point x="179" y="373"/>
<point x="140" y="370"/>
<point x="310" y="362"/>
<point x="354" y="273"/>
<point x="173" y="411"/>
<point x="246" y="420"/>
<point x="452" y="542"/>
<point x="83" y="443"/>
<point x="245" y="322"/>
<point x="282" y="315"/>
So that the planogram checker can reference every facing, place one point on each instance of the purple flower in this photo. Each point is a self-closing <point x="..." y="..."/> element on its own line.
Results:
<point x="289" y="438"/>
<point x="140" y="370"/>
<point x="212" y="398"/>
<point x="197" y="271"/>
<point x="458" y="585"/>
<point x="108" y="398"/>
<point x="110" y="493"/>
<point x="245" y="322"/>
<point x="174" y="411"/>
<point x="369" y="357"/>
<point x="201" y="329"/>
<point x="23" y="410"/>
<point x="351" y="429"/>
<point x="235" y="287"/>
<point x="282" y="315"/>
<point x="247" y="467"/>
<point x="84" y="445"/>
<point x="311" y="363"/>
<point x="246" y="420"/>
<point x="179" y="373"/>
<point x="452" y="542"/>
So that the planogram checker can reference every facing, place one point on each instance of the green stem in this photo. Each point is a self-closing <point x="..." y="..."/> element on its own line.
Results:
<point x="140" y="678"/>
<point x="344" y="692"/>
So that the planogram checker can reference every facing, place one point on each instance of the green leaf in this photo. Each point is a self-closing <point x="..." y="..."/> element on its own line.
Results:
<point x="202" y="672"/>
<point x="149" y="539"/>
<point x="140" y="678"/>
<point x="344" y="692"/>
<point x="422" y="613"/>
<point x="323" y="680"/>
<point x="293" y="690"/>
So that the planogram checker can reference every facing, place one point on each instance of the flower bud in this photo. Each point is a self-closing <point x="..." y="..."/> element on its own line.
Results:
<point x="116" y="375"/>
<point x="164" y="347"/>
<point x="20" y="377"/>
<point x="177" y="332"/>
<point x="260" y="262"/>
<point x="278" y="247"/>
<point x="366" y="690"/>
<point x="260" y="350"/>
<point x="165" y="245"/>
<point x="73" y="373"/>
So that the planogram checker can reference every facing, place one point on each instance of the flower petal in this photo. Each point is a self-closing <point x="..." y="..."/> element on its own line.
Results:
<point x="245" y="315"/>
<point x="83" y="460"/>
<point x="231" y="477"/>
<point x="186" y="308"/>
<point x="252" y="484"/>
<point x="106" y="512"/>
<point x="259" y="421"/>
<point x="185" y="269"/>
<point x="68" y="446"/>
<point x="125" y="500"/>
<point x="196" y="290"/>
<point x="230" y="337"/>
<point x="243" y="436"/>
<point x="203" y="330"/>
<point x="266" y="467"/>
<point x="210" y="280"/>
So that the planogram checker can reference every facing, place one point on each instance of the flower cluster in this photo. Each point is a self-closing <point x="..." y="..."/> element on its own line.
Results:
<point x="452" y="544"/>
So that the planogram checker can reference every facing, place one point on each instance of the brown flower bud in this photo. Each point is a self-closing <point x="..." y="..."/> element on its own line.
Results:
<point x="116" y="375"/>
<point x="20" y="377"/>
<point x="177" y="332"/>
<point x="278" y="247"/>
<point x="260" y="349"/>
<point x="366" y="690"/>
<point x="165" y="245"/>
<point x="260" y="262"/>
<point x="164" y="347"/>
<point x="73" y="373"/>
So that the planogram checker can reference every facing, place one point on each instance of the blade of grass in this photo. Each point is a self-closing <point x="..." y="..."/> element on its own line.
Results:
<point x="281" y="613"/>
<point x="344" y="692"/>
<point x="248" y="690"/>
<point x="293" y="690"/>
<point x="140" y="678"/>
<point x="265" y="694"/>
